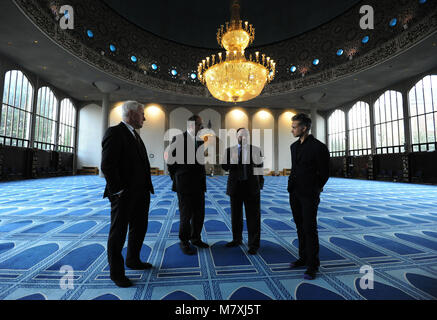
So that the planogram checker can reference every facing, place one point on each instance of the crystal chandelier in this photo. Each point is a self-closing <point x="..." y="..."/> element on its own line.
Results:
<point x="233" y="78"/>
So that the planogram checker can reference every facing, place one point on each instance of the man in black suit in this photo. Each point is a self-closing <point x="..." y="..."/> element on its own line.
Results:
<point x="126" y="167"/>
<point x="187" y="171"/>
<point x="309" y="173"/>
<point x="245" y="165"/>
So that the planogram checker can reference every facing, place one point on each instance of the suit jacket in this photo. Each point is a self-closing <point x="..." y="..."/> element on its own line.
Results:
<point x="188" y="175"/>
<point x="255" y="182"/>
<point x="125" y="162"/>
<point x="310" y="168"/>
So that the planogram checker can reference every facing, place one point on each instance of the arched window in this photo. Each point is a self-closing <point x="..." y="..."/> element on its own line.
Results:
<point x="337" y="134"/>
<point x="45" y="121"/>
<point x="423" y="114"/>
<point x="359" y="129"/>
<point x="67" y="126"/>
<point x="16" y="112"/>
<point x="389" y="123"/>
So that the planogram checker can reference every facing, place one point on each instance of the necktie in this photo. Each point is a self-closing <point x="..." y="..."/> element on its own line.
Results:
<point x="244" y="174"/>
<point x="138" y="138"/>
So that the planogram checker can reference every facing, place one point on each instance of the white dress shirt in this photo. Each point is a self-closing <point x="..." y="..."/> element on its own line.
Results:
<point x="131" y="129"/>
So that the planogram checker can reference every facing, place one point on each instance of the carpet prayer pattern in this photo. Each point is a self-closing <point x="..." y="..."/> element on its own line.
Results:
<point x="46" y="224"/>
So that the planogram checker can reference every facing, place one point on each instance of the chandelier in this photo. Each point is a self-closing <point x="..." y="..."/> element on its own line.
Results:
<point x="232" y="77"/>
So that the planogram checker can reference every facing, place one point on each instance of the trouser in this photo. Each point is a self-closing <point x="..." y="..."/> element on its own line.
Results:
<point x="253" y="216"/>
<point x="130" y="210"/>
<point x="304" y="209"/>
<point x="192" y="216"/>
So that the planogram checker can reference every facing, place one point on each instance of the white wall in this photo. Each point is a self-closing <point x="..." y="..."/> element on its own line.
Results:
<point x="89" y="136"/>
<point x="235" y="119"/>
<point x="178" y="120"/>
<point x="321" y="133"/>
<point x="214" y="116"/>
<point x="286" y="138"/>
<point x="318" y="126"/>
<point x="152" y="134"/>
<point x="115" y="115"/>
<point x="264" y="121"/>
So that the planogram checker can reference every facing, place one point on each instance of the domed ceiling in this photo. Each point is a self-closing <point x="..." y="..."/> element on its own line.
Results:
<point x="195" y="22"/>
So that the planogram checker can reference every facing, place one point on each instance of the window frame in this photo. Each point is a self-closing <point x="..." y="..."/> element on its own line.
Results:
<point x="337" y="138"/>
<point x="70" y="123"/>
<point x="43" y="120"/>
<point x="417" y="145"/>
<point x="25" y="113"/>
<point x="359" y="129"/>
<point x="384" y="119"/>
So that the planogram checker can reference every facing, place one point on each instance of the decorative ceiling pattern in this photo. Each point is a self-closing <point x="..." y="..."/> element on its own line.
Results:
<point x="106" y="40"/>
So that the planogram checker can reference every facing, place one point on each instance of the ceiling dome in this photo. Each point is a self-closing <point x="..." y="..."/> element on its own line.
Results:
<point x="192" y="22"/>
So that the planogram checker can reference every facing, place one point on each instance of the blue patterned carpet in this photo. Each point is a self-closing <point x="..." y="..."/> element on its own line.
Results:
<point x="48" y="223"/>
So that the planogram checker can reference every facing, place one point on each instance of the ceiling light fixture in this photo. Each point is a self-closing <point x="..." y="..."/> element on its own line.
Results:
<point x="233" y="78"/>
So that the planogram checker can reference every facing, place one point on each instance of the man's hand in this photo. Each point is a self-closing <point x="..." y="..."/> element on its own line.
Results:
<point x="118" y="194"/>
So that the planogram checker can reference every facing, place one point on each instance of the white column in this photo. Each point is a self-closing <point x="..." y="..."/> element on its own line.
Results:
<point x="372" y="126"/>
<point x="105" y="112"/>
<point x="407" y="123"/>
<point x="105" y="88"/>
<point x="346" y="115"/>
<point x="313" y="100"/>
<point x="166" y="111"/>
<point x="33" y="116"/>
<point x="2" y="84"/>
<point x="76" y="137"/>
<point x="276" y="115"/>
<point x="314" y="122"/>
<point x="58" y="123"/>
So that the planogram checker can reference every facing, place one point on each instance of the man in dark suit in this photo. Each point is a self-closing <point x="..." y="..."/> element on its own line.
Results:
<point x="126" y="167"/>
<point x="187" y="170"/>
<point x="245" y="181"/>
<point x="309" y="173"/>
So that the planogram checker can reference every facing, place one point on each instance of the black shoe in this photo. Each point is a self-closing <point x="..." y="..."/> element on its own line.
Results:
<point x="123" y="282"/>
<point x="186" y="249"/>
<point x="310" y="274"/>
<point x="139" y="266"/>
<point x="200" y="244"/>
<point x="233" y="243"/>
<point x="297" y="264"/>
<point x="252" y="251"/>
